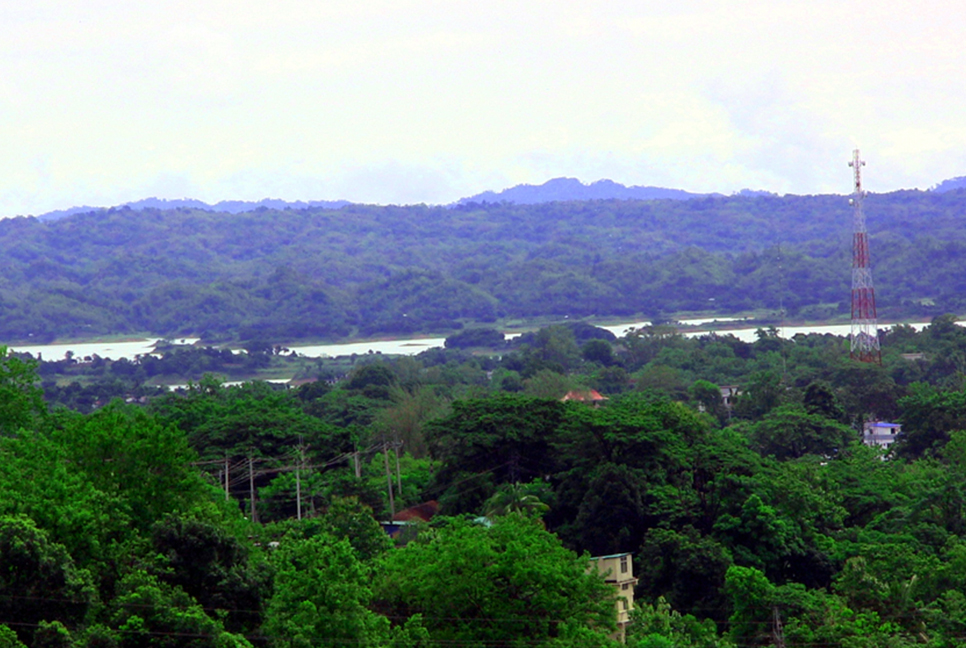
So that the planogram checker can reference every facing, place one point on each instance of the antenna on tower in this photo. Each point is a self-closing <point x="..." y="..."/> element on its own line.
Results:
<point x="865" y="333"/>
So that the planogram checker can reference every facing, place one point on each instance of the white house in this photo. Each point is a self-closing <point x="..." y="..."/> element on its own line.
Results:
<point x="880" y="434"/>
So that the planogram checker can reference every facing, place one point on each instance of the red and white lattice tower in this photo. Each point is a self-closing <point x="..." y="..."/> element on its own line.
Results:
<point x="865" y="333"/>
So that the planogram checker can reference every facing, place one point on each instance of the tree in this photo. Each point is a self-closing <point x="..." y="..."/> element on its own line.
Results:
<point x="8" y="638"/>
<point x="820" y="399"/>
<point x="507" y="584"/>
<point x="790" y="432"/>
<point x="598" y="351"/>
<point x="708" y="397"/>
<point x="147" y="612"/>
<point x="21" y="400"/>
<point x="347" y="518"/>
<point x="928" y="417"/>
<point x="548" y="384"/>
<point x="662" y="379"/>
<point x="408" y="414"/>
<point x="322" y="593"/>
<point x="480" y="337"/>
<point x="124" y="451"/>
<point x="661" y="626"/>
<point x="38" y="578"/>
<point x="751" y="594"/>
<point x="683" y="567"/>
<point x="762" y="393"/>
<point x="525" y="499"/>
<point x="483" y="443"/>
<point x="210" y="564"/>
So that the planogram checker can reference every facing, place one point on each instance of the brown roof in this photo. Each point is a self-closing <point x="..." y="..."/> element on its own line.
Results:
<point x="423" y="512"/>
<point x="589" y="395"/>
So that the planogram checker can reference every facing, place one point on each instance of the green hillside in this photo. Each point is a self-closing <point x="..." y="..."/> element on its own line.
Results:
<point x="366" y="270"/>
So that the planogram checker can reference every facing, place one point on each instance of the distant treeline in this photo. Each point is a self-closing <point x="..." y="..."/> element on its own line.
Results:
<point x="281" y="275"/>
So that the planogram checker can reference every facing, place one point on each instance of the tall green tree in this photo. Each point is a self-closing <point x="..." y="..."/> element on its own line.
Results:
<point x="483" y="443"/>
<point x="322" y="594"/>
<point x="21" y="399"/>
<point x="509" y="584"/>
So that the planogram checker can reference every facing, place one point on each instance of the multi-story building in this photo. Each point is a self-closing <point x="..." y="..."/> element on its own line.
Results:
<point x="618" y="570"/>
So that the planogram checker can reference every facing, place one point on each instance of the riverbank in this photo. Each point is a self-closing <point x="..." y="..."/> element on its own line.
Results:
<point x="744" y="328"/>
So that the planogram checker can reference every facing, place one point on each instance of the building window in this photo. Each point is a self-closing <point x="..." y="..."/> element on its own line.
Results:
<point x="624" y="603"/>
<point x="623" y="564"/>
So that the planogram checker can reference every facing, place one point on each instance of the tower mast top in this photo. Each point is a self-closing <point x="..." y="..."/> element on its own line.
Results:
<point x="857" y="165"/>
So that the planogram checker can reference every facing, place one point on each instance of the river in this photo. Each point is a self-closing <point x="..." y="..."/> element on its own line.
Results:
<point x="413" y="346"/>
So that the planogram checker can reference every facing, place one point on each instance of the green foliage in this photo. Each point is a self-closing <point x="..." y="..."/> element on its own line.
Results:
<point x="123" y="450"/>
<point x="8" y="638"/>
<point x="549" y="384"/>
<point x="210" y="564"/>
<point x="347" y="519"/>
<point x="707" y="395"/>
<point x="52" y="635"/>
<point x="38" y="578"/>
<point x="414" y="478"/>
<point x="524" y="499"/>
<point x="321" y="596"/>
<point x="660" y="626"/>
<point x="509" y="584"/>
<point x="684" y="567"/>
<point x="790" y="432"/>
<point x="485" y="442"/>
<point x="21" y="400"/>
<point x="779" y="520"/>
<point x="479" y="337"/>
<point x="148" y="612"/>
<point x="929" y="415"/>
<point x="406" y="416"/>
<point x="598" y="351"/>
<point x="249" y="419"/>
<point x="324" y="273"/>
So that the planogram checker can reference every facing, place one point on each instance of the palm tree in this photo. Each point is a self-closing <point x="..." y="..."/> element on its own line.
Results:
<point x="518" y="498"/>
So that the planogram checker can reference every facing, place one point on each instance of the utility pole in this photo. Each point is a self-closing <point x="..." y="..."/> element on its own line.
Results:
<point x="395" y="446"/>
<point x="385" y="456"/>
<point x="298" y="480"/>
<point x="227" y="477"/>
<point x="864" y="345"/>
<point x="777" y="633"/>
<point x="251" y="488"/>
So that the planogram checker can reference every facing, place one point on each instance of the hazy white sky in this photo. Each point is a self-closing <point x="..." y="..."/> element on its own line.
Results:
<point x="402" y="101"/>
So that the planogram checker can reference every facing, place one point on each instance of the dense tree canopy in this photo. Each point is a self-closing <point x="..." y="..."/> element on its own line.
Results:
<point x="235" y="515"/>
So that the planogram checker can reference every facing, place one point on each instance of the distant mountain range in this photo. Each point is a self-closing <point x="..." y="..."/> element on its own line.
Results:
<point x="228" y="206"/>
<point x="558" y="189"/>
<point x="950" y="185"/>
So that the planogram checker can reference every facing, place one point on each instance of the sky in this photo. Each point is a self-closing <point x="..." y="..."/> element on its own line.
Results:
<point x="425" y="101"/>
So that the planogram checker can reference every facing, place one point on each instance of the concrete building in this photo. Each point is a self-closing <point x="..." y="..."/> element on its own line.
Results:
<point x="880" y="433"/>
<point x="618" y="570"/>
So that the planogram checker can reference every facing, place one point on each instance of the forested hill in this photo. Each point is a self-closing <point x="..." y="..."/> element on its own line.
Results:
<point x="328" y="273"/>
